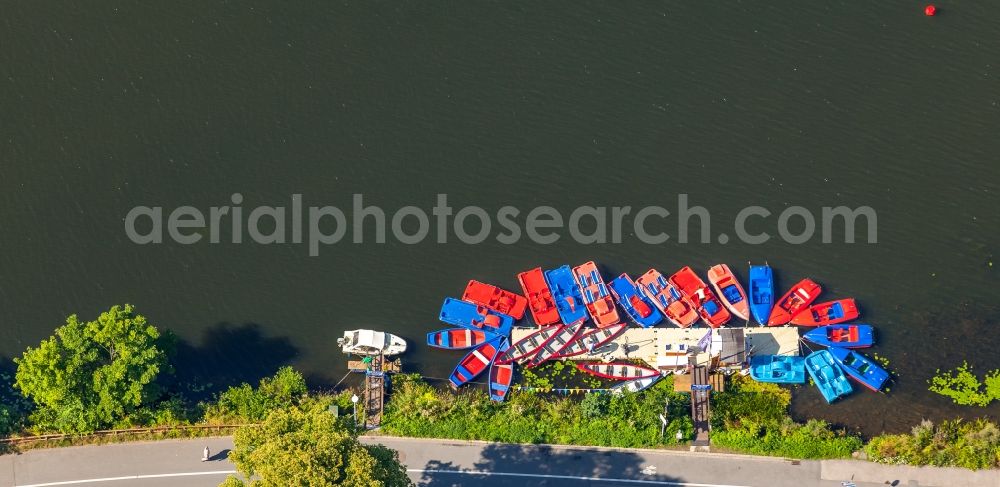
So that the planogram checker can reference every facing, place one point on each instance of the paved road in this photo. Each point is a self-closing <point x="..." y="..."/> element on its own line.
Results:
<point x="438" y="463"/>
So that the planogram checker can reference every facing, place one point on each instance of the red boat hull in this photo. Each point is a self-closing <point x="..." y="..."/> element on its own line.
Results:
<point x="599" y="302"/>
<point x="825" y="313"/>
<point x="496" y="299"/>
<point x="680" y="312"/>
<point x="526" y="347"/>
<point x="688" y="283"/>
<point x="798" y="298"/>
<point x="593" y="339"/>
<point x="556" y="344"/>
<point x="618" y="371"/>
<point x="540" y="302"/>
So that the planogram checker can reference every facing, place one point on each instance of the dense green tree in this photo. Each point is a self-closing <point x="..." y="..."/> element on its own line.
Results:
<point x="243" y="403"/>
<point x="295" y="447"/>
<point x="92" y="375"/>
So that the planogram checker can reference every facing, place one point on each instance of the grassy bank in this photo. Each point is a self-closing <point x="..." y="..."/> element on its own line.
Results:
<point x="750" y="418"/>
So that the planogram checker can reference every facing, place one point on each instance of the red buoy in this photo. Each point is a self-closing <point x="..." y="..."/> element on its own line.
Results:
<point x="930" y="10"/>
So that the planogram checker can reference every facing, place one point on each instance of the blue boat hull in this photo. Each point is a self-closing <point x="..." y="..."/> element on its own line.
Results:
<point x="761" y="293"/>
<point x="828" y="376"/>
<point x="624" y="291"/>
<point x="778" y="369"/>
<point x="468" y="315"/>
<point x="821" y="336"/>
<point x="861" y="368"/>
<point x="567" y="294"/>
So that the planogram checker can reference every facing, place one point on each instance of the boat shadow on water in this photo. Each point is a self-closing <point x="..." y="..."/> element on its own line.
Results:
<point x="520" y="465"/>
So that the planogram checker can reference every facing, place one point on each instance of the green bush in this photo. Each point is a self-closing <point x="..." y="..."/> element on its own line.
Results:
<point x="973" y="445"/>
<point x="752" y="417"/>
<point x="244" y="403"/>
<point x="627" y="420"/>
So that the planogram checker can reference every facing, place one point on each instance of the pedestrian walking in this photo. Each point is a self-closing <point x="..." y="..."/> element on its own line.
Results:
<point x="205" y="454"/>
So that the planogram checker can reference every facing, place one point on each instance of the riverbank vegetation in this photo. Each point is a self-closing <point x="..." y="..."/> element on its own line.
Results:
<point x="114" y="371"/>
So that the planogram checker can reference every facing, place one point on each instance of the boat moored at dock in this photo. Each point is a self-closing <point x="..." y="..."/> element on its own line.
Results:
<point x="618" y="370"/>
<point x="475" y="362"/>
<point x="730" y="291"/>
<point x="567" y="294"/>
<point x="761" y="291"/>
<point x="637" y="306"/>
<point x="798" y="298"/>
<point x="458" y="338"/>
<point x="468" y="315"/>
<point x="371" y="342"/>
<point x="522" y="350"/>
<point x="496" y="299"/>
<point x="674" y="305"/>
<point x="592" y="340"/>
<point x="540" y="301"/>
<point x="842" y="336"/>
<point x="635" y="385"/>
<point x="778" y="369"/>
<point x="553" y="346"/>
<point x="861" y="368"/>
<point x="828" y="376"/>
<point x="595" y="294"/>
<point x="708" y="306"/>
<point x="828" y="313"/>
<point x="501" y="376"/>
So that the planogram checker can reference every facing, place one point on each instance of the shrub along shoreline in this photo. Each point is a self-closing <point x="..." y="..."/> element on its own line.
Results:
<point x="109" y="373"/>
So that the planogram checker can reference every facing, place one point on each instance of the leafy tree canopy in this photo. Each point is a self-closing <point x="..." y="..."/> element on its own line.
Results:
<point x="91" y="375"/>
<point x="295" y="447"/>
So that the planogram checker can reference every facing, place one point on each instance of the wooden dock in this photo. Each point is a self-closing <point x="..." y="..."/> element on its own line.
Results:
<point x="669" y="347"/>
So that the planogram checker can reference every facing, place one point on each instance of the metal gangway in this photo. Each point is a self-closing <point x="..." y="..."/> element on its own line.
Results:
<point x="374" y="393"/>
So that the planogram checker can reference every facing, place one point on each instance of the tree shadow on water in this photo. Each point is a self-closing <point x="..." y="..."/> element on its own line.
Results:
<point x="520" y="465"/>
<point x="228" y="355"/>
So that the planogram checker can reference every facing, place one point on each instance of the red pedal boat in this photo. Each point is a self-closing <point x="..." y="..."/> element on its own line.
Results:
<point x="618" y="371"/>
<point x="592" y="340"/>
<point x="523" y="349"/>
<point x="496" y="299"/>
<point x="595" y="295"/>
<point x="828" y="313"/>
<point x="562" y="339"/>
<point x="473" y="364"/>
<point x="730" y="291"/>
<point x="798" y="298"/>
<point x="709" y="307"/>
<point x="540" y="303"/>
<point x="674" y="305"/>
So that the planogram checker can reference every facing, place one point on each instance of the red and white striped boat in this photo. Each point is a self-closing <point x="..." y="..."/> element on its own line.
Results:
<point x="592" y="340"/>
<point x="521" y="351"/>
<point x="562" y="339"/>
<point x="618" y="371"/>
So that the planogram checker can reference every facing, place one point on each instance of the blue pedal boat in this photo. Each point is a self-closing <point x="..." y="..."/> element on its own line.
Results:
<point x="842" y="336"/>
<point x="861" y="368"/>
<point x="778" y="369"/>
<point x="828" y="376"/>
<point x="468" y="315"/>
<point x="761" y="293"/>
<point x="636" y="305"/>
<point x="567" y="294"/>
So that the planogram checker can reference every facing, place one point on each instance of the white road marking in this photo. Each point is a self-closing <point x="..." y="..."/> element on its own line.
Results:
<point x="569" y="477"/>
<point x="130" y="477"/>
